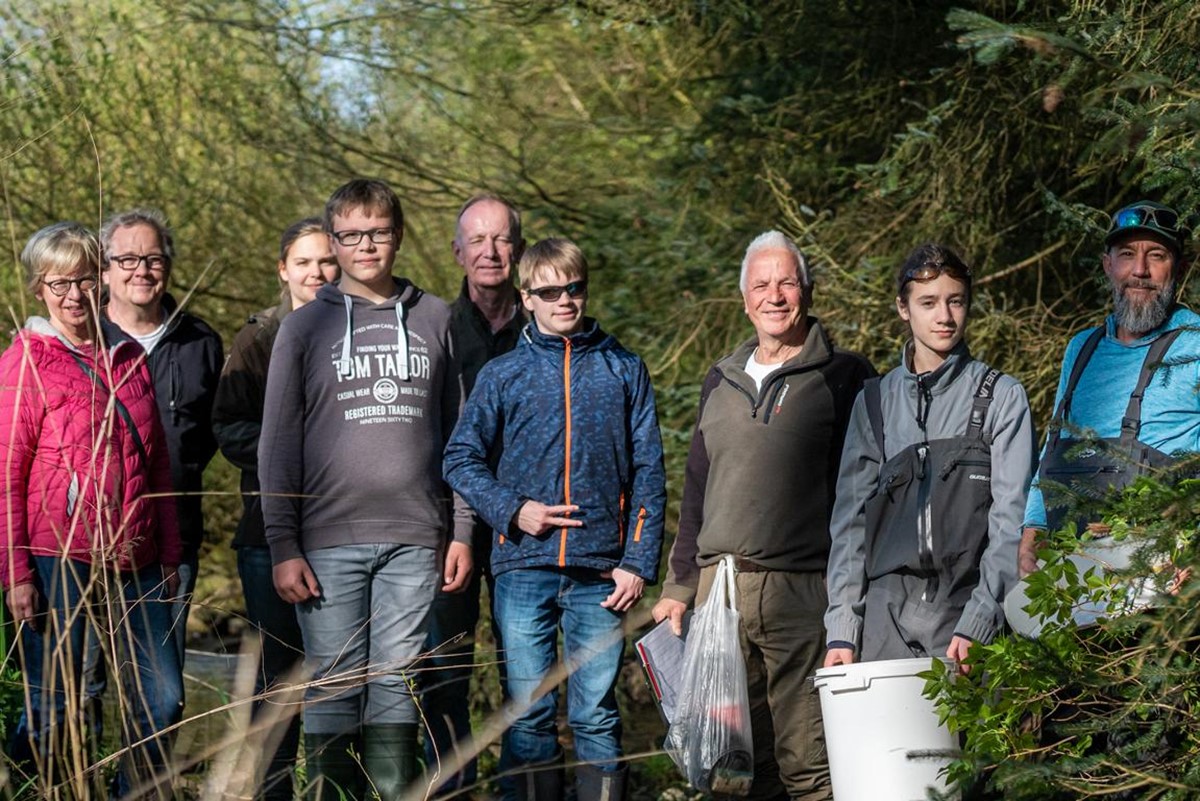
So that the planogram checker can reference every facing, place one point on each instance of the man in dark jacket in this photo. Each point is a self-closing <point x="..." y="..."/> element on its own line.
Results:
<point x="486" y="319"/>
<point x="759" y="484"/>
<point x="184" y="355"/>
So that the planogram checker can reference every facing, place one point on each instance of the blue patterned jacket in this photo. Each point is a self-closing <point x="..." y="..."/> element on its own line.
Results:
<point x="565" y="421"/>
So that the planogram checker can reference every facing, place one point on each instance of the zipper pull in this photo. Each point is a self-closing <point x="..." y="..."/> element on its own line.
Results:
<point x="922" y="453"/>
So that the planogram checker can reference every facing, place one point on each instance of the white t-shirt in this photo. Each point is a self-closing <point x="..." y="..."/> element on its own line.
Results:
<point x="759" y="372"/>
<point x="148" y="341"/>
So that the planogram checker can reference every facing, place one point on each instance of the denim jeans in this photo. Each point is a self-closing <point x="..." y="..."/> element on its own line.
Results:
<point x="95" y="671"/>
<point x="364" y="632"/>
<point x="281" y="651"/>
<point x="135" y="620"/>
<point x="531" y="605"/>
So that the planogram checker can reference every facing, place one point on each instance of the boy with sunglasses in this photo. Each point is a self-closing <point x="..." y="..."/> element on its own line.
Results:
<point x="1132" y="416"/>
<point x="558" y="449"/>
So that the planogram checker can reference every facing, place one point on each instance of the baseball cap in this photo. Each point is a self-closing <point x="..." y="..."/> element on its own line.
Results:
<point x="1146" y="216"/>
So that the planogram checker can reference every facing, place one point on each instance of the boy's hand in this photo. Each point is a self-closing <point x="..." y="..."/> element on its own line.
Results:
<point x="457" y="570"/>
<point x="958" y="650"/>
<point x="628" y="591"/>
<point x="538" y="518"/>
<point x="294" y="580"/>
<point x="839" y="656"/>
<point x="667" y="608"/>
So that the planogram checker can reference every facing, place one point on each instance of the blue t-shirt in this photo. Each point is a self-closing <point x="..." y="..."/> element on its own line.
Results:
<point x="1170" y="407"/>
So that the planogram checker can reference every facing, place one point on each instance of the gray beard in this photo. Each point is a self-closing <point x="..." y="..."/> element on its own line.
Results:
<point x="1140" y="317"/>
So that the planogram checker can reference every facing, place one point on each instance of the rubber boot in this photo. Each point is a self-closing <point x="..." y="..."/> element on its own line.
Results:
<point x="390" y="758"/>
<point x="593" y="784"/>
<point x="333" y="770"/>
<point x="540" y="783"/>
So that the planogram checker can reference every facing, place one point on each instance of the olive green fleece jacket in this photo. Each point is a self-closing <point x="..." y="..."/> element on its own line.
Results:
<point x="762" y="468"/>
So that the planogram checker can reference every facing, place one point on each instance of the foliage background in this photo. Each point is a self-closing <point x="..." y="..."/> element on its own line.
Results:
<point x="661" y="134"/>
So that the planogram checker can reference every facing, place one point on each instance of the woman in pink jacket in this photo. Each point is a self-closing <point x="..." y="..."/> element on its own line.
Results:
<point x="89" y="527"/>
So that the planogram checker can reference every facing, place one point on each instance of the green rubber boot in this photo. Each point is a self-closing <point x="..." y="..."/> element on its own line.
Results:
<point x="390" y="758"/>
<point x="333" y="770"/>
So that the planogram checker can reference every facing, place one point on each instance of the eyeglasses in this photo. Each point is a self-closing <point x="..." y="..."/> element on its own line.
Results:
<point x="155" y="262"/>
<point x="60" y="287"/>
<point x="1165" y="220"/>
<point x="549" y="294"/>
<point x="929" y="270"/>
<point x="380" y="236"/>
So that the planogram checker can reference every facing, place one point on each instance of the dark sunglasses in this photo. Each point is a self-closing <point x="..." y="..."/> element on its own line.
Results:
<point x="929" y="270"/>
<point x="1164" y="220"/>
<point x="549" y="294"/>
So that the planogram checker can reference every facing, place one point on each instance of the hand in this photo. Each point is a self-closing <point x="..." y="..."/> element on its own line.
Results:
<point x="170" y="581"/>
<point x="538" y="518"/>
<point x="668" y="609"/>
<point x="958" y="650"/>
<point x="1178" y="580"/>
<point x="22" y="601"/>
<point x="457" y="570"/>
<point x="1031" y="540"/>
<point x="839" y="656"/>
<point x="628" y="591"/>
<point x="294" y="580"/>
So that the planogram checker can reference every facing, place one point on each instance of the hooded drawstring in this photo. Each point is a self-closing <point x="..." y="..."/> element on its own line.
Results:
<point x="345" y="365"/>
<point x="345" y="368"/>
<point x="401" y="341"/>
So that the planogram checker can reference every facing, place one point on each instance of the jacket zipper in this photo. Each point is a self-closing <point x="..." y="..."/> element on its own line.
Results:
<point x="637" y="532"/>
<point x="924" y="502"/>
<point x="925" y="523"/>
<point x="621" y="519"/>
<point x="562" y="542"/>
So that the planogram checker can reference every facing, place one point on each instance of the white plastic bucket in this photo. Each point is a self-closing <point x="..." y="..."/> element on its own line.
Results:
<point x="882" y="734"/>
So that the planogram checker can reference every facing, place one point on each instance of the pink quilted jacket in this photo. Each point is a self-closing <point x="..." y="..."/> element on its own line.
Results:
<point x="74" y="483"/>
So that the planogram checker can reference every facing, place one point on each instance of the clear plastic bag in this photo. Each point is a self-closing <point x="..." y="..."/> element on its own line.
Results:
<point x="709" y="740"/>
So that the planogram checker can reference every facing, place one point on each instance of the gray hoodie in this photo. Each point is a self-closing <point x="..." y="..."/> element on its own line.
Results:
<point x="1008" y="429"/>
<point x="361" y="398"/>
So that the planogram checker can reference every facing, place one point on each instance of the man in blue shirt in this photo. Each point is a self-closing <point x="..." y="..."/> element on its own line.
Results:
<point x="1097" y="401"/>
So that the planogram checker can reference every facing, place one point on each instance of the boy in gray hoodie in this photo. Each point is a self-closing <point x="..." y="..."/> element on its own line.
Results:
<point x="363" y="392"/>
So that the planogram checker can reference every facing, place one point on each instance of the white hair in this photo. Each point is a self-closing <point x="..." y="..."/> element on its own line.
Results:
<point x="775" y="240"/>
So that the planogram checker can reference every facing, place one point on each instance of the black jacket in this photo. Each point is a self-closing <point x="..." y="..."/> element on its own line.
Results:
<point x="238" y="411"/>
<point x="185" y="365"/>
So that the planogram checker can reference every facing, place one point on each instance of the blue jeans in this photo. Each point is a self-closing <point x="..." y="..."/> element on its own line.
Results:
<point x="282" y="650"/>
<point x="95" y="672"/>
<point x="137" y="624"/>
<point x="364" y="632"/>
<point x="531" y="605"/>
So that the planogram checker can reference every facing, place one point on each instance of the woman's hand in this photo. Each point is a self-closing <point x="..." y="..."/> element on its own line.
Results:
<point x="22" y="601"/>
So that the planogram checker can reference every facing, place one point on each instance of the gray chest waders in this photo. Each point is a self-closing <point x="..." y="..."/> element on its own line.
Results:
<point x="928" y="515"/>
<point x="1076" y="468"/>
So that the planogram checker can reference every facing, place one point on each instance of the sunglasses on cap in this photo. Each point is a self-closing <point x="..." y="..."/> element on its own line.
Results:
<point x="549" y="294"/>
<point x="1147" y="217"/>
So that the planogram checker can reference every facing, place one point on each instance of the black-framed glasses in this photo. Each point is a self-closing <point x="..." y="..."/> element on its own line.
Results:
<point x="1140" y="216"/>
<point x="380" y="236"/>
<point x="61" y="287"/>
<point x="155" y="262"/>
<point x="549" y="294"/>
